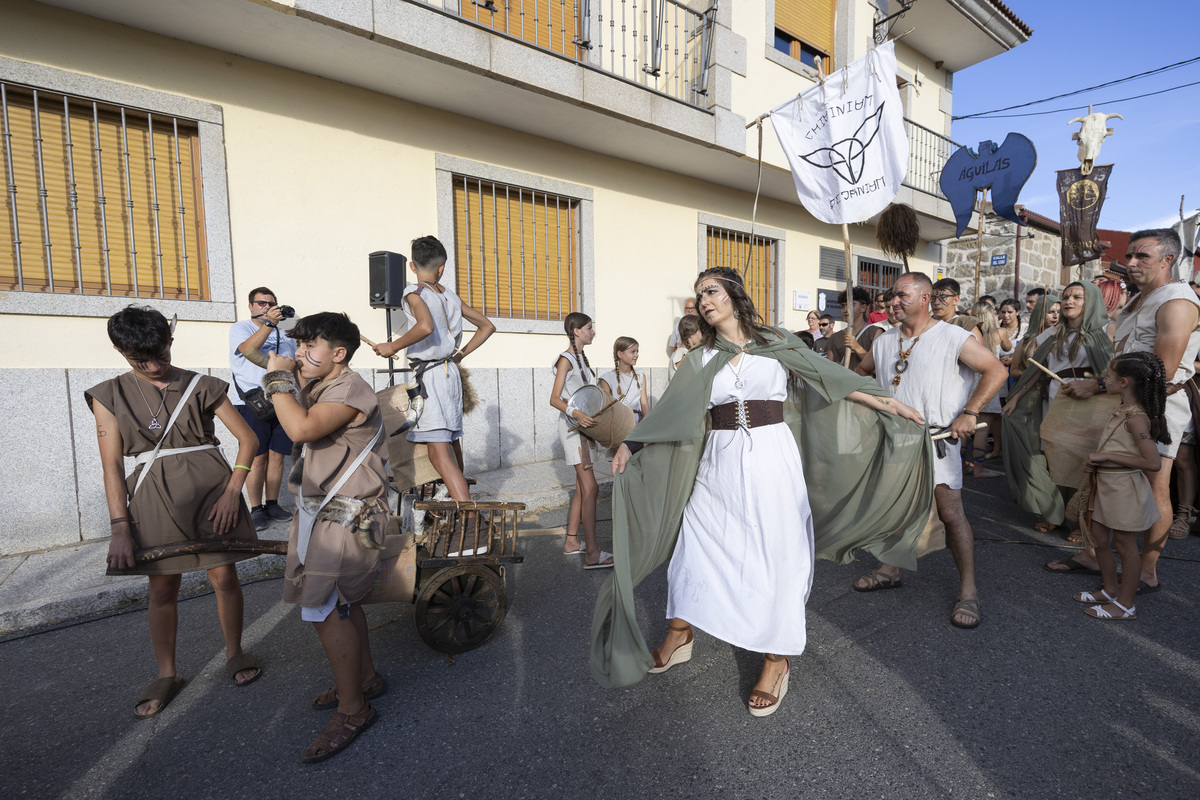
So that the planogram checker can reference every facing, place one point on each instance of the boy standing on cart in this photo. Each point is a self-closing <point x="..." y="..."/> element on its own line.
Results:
<point x="341" y="512"/>
<point x="435" y="316"/>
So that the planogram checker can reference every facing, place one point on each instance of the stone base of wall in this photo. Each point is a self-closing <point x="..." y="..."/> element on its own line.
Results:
<point x="50" y="463"/>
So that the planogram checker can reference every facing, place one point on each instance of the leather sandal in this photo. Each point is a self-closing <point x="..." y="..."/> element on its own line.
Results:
<point x="680" y="655"/>
<point x="968" y="607"/>
<point x="773" y="701"/>
<point x="240" y="663"/>
<point x="161" y="689"/>
<point x="1098" y="612"/>
<point x="877" y="580"/>
<point x="1181" y="525"/>
<point x="328" y="699"/>
<point x="341" y="730"/>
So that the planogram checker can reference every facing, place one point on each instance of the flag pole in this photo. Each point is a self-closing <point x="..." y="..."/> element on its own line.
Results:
<point x="979" y="245"/>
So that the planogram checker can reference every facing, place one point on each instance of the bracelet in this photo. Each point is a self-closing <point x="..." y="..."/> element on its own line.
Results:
<point x="115" y="520"/>
<point x="240" y="466"/>
<point x="974" y="414"/>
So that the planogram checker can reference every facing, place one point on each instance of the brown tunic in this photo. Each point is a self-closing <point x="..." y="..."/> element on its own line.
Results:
<point x="335" y="558"/>
<point x="180" y="490"/>
<point x="1122" y="499"/>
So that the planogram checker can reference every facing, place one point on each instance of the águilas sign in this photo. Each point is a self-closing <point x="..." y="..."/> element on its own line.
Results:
<point x="844" y="140"/>
<point x="1003" y="169"/>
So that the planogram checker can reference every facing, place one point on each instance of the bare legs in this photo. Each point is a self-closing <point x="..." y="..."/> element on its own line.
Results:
<point x="583" y="510"/>
<point x="1126" y="544"/>
<point x="348" y="650"/>
<point x="266" y="475"/>
<point x="163" y="616"/>
<point x="446" y="459"/>
<point x="678" y="634"/>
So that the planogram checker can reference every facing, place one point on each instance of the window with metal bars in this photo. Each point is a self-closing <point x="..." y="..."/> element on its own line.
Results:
<point x="877" y="276"/>
<point x="516" y="250"/>
<point x="754" y="258"/>
<point x="99" y="199"/>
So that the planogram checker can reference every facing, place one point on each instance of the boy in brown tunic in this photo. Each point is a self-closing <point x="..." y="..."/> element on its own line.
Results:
<point x="183" y="491"/>
<point x="341" y="515"/>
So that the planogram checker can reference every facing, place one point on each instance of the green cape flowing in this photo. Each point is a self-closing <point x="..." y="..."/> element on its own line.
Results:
<point x="1024" y="463"/>
<point x="869" y="476"/>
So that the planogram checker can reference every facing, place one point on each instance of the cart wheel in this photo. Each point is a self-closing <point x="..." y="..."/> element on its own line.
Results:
<point x="459" y="608"/>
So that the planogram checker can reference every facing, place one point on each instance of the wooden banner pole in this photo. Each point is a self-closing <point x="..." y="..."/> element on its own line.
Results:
<point x="979" y="245"/>
<point x="848" y="309"/>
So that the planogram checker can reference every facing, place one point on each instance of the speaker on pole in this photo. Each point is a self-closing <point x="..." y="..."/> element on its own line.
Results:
<point x="386" y="278"/>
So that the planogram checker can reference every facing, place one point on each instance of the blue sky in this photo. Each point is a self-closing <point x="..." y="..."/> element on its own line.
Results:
<point x="1080" y="44"/>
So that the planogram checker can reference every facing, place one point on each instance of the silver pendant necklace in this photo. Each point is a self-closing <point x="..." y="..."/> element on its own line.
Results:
<point x="154" y="423"/>
<point x="737" y="371"/>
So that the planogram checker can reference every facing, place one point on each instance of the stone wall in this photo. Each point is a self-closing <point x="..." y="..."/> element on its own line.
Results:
<point x="1041" y="261"/>
<point x="50" y="464"/>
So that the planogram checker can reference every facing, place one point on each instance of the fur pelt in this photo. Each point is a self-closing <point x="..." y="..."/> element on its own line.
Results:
<point x="898" y="231"/>
<point x="469" y="398"/>
<point x="353" y="515"/>
<point x="280" y="382"/>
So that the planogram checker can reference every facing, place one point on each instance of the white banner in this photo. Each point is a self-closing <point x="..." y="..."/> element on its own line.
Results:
<point x="845" y="140"/>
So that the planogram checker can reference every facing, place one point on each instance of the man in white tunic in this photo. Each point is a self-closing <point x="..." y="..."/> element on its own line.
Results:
<point x="1162" y="319"/>
<point x="931" y="366"/>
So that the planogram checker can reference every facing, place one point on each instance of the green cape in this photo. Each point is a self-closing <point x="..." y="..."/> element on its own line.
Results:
<point x="869" y="476"/>
<point x="1024" y="463"/>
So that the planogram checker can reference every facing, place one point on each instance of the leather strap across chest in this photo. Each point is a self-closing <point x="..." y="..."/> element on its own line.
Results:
<point x="746" y="414"/>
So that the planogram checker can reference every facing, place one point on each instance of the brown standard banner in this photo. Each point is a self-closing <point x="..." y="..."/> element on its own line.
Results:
<point x="1079" y="200"/>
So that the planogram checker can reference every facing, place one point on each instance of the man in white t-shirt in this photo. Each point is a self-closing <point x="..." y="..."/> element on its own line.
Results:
<point x="689" y="310"/>
<point x="250" y="340"/>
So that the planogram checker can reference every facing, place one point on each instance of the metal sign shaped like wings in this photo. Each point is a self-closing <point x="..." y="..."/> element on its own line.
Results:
<point x="844" y="140"/>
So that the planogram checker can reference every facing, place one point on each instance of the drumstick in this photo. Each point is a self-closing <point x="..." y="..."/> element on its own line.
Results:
<point x="948" y="434"/>
<point x="367" y="341"/>
<point x="1052" y="374"/>
<point x="607" y="406"/>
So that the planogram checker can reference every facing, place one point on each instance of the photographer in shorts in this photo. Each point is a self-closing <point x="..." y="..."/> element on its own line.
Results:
<point x="250" y="340"/>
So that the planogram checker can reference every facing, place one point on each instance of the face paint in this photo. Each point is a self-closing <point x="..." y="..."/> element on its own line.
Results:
<point x="308" y="357"/>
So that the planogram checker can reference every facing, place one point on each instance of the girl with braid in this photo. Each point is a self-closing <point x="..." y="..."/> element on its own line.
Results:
<point x="1122" y="504"/>
<point x="624" y="382"/>
<point x="571" y="373"/>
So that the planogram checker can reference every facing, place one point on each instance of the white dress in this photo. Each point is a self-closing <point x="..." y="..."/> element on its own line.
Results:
<point x="441" y="421"/>
<point x="577" y="449"/>
<point x="618" y="383"/>
<point x="743" y="565"/>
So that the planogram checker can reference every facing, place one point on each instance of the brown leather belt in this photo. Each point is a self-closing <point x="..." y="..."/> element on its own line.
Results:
<point x="1076" y="372"/>
<point x="1172" y="388"/>
<point x="746" y="414"/>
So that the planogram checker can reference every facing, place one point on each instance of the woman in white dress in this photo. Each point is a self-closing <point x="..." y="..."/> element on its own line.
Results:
<point x="571" y="373"/>
<point x="623" y="381"/>
<point x="743" y="563"/>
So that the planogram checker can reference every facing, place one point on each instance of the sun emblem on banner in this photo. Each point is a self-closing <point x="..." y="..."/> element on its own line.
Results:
<point x="1083" y="194"/>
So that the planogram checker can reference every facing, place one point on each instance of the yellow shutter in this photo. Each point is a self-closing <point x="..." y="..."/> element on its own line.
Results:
<point x="515" y="250"/>
<point x="810" y="21"/>
<point x="729" y="249"/>
<point x="550" y="24"/>
<point x="76" y="263"/>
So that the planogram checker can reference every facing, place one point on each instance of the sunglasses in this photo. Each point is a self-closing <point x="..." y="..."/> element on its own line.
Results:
<point x="824" y="325"/>
<point x="264" y="303"/>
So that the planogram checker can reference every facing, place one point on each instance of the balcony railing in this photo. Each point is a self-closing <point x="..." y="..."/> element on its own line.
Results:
<point x="661" y="45"/>
<point x="927" y="154"/>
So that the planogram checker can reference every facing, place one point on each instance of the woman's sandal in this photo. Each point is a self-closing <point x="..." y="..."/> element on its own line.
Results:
<point x="679" y="655"/>
<point x="877" y="580"/>
<point x="581" y="551"/>
<point x="328" y="699"/>
<point x="161" y="689"/>
<point x="773" y="701"/>
<point x="1098" y="596"/>
<point x="338" y="734"/>
<point x="1098" y="612"/>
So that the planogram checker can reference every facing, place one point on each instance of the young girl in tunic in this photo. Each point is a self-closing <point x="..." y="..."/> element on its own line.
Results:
<point x="742" y="566"/>
<point x="182" y="492"/>
<point x="341" y="514"/>
<point x="624" y="382"/>
<point x="571" y="373"/>
<point x="435" y="315"/>
<point x="1122" y="504"/>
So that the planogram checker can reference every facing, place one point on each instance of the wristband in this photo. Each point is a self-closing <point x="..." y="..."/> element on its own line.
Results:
<point x="240" y="466"/>
<point x="270" y="324"/>
<point x="974" y="414"/>
<point x="115" y="520"/>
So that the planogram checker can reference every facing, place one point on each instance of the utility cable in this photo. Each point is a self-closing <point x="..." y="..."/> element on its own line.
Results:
<point x="1077" y="108"/>
<point x="1081" y="91"/>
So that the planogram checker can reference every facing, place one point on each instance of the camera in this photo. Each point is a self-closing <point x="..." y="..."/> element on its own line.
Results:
<point x="289" y="318"/>
<point x="287" y="311"/>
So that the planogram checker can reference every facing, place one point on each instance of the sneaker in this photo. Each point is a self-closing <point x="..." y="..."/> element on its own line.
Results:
<point x="278" y="512"/>
<point x="258" y="515"/>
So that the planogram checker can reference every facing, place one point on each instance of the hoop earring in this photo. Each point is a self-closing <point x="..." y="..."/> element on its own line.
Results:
<point x="736" y="315"/>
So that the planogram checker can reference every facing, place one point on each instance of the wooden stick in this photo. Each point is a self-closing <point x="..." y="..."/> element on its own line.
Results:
<point x="197" y="546"/>
<point x="367" y="341"/>
<point x="979" y="246"/>
<point x="947" y="434"/>
<point x="1051" y="373"/>
<point x="848" y="309"/>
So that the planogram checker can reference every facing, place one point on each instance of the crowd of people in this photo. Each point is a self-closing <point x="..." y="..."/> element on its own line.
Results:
<point x="767" y="450"/>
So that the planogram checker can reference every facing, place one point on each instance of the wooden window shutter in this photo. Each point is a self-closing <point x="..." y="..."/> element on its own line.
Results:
<point x="810" y="21"/>
<point x="731" y="249"/>
<point x="549" y="24"/>
<point x="515" y="250"/>
<point x="76" y="263"/>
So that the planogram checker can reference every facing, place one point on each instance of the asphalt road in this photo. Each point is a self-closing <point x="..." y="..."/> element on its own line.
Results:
<point x="889" y="701"/>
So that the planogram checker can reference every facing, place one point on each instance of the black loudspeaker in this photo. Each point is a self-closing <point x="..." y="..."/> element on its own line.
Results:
<point x="387" y="279"/>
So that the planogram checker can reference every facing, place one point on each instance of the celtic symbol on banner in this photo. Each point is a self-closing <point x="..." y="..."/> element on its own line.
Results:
<point x="847" y="157"/>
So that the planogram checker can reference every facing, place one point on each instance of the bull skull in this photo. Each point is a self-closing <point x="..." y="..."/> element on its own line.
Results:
<point x="1092" y="130"/>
